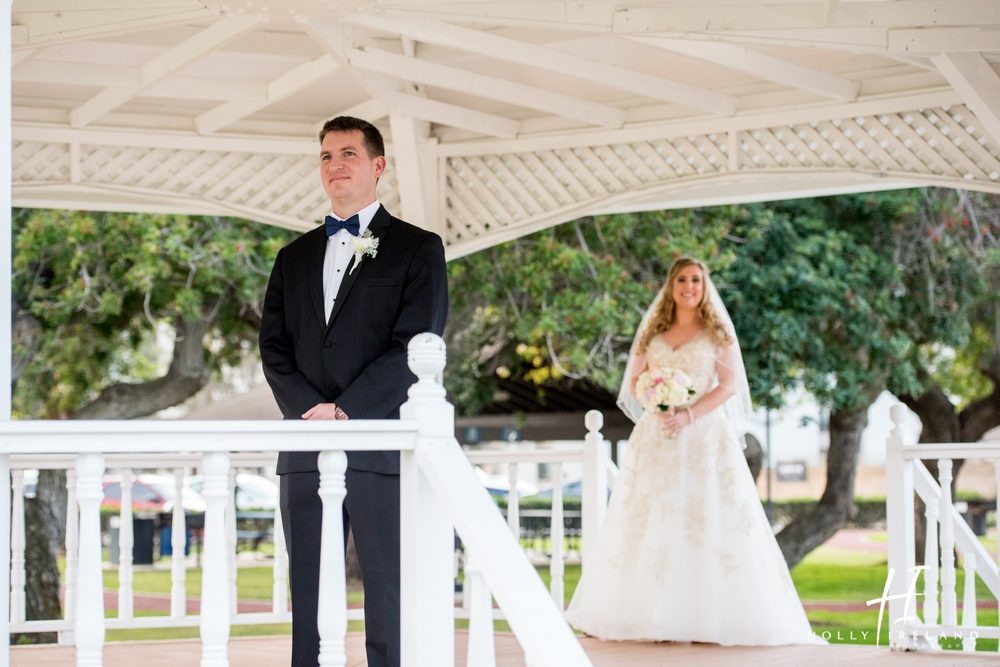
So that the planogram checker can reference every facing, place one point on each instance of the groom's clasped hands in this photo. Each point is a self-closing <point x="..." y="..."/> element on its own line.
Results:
<point x="325" y="411"/>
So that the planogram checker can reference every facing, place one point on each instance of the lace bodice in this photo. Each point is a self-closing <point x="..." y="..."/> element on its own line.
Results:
<point x="696" y="357"/>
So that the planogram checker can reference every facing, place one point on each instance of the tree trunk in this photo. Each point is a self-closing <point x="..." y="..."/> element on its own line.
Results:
<point x="754" y="455"/>
<point x="26" y="334"/>
<point x="41" y="575"/>
<point x="187" y="374"/>
<point x="836" y="506"/>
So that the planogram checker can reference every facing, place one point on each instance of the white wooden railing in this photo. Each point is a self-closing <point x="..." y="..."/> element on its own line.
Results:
<point x="593" y="455"/>
<point x="439" y="494"/>
<point x="128" y="466"/>
<point x="916" y="623"/>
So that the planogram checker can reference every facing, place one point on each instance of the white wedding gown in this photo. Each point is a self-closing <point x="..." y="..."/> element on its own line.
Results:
<point x="685" y="552"/>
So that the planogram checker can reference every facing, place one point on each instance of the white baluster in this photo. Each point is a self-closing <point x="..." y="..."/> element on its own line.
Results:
<point x="482" y="651"/>
<point x="332" y="612"/>
<point x="595" y="481"/>
<point x="4" y="526"/>
<point x="931" y="564"/>
<point x="949" y="603"/>
<point x="427" y="536"/>
<point x="17" y="543"/>
<point x="178" y="542"/>
<point x="624" y="451"/>
<point x="557" y="565"/>
<point x="126" y="540"/>
<point x="89" y="627"/>
<point x="513" y="501"/>
<point x="996" y="530"/>
<point x="899" y="518"/>
<point x="279" y="590"/>
<point x="969" y="603"/>
<point x="462" y="558"/>
<point x="67" y="637"/>
<point x="215" y="598"/>
<point x="231" y="543"/>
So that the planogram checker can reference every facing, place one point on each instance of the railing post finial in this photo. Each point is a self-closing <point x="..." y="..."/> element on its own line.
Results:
<point x="594" y="421"/>
<point x="426" y="356"/>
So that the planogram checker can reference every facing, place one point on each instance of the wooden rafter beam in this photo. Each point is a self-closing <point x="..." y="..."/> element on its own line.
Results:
<point x="931" y="41"/>
<point x="480" y="85"/>
<point x="119" y="76"/>
<point x="371" y="110"/>
<point x="451" y="114"/>
<point x="977" y="83"/>
<point x="760" y="65"/>
<point x="330" y="35"/>
<point x="524" y="53"/>
<point x="884" y="14"/>
<point x="60" y="25"/>
<point x="284" y="86"/>
<point x="162" y="66"/>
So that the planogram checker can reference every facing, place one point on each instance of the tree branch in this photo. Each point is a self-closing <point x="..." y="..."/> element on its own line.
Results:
<point x="982" y="415"/>
<point x="935" y="410"/>
<point x="187" y="374"/>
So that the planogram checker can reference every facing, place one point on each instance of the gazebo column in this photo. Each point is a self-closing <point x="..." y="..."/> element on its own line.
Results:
<point x="418" y="173"/>
<point x="6" y="353"/>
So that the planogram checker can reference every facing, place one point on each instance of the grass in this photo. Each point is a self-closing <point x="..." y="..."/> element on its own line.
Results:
<point x="252" y="583"/>
<point x="827" y="575"/>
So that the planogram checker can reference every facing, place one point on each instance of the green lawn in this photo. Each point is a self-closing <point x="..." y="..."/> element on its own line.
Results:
<point x="837" y="575"/>
<point x="827" y="575"/>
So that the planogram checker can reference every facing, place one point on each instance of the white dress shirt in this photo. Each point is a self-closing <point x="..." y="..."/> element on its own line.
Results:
<point x="339" y="251"/>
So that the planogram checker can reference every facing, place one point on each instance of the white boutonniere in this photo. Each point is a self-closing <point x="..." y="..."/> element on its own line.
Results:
<point x="365" y="245"/>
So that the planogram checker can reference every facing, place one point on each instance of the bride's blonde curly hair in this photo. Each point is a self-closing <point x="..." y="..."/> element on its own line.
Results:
<point x="665" y="315"/>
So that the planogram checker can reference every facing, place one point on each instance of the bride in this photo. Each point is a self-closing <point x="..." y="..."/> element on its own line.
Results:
<point x="685" y="551"/>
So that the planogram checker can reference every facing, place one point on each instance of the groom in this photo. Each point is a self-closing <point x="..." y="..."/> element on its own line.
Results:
<point x="337" y="317"/>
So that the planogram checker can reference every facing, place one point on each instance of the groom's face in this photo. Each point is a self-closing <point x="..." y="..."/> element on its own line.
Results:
<point x="348" y="172"/>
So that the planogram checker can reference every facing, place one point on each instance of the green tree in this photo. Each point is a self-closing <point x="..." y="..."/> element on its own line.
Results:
<point x="93" y="293"/>
<point x="958" y="399"/>
<point x="820" y="290"/>
<point x="563" y="304"/>
<point x="825" y="303"/>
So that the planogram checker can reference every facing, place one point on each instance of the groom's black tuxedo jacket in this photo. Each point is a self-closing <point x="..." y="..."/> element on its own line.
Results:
<point x="358" y="359"/>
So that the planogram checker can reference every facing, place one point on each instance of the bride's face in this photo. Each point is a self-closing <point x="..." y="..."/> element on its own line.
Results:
<point x="689" y="287"/>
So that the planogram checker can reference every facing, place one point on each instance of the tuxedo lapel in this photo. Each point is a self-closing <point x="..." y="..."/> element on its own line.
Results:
<point x="314" y="273"/>
<point x="378" y="227"/>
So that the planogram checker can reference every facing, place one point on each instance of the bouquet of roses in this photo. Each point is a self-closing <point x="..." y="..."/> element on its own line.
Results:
<point x="659" y="389"/>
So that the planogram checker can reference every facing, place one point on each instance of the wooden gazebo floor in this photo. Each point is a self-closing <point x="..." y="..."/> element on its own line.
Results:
<point x="276" y="652"/>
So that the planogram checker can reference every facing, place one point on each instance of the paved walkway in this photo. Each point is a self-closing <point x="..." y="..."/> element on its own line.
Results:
<point x="276" y="652"/>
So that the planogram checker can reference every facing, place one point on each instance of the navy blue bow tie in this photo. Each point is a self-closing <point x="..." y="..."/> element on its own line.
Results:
<point x="352" y="225"/>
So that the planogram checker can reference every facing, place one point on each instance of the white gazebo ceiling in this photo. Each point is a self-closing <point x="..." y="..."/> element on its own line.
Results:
<point x="502" y="117"/>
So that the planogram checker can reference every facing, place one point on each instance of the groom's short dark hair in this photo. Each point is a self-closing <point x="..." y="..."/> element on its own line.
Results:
<point x="373" y="138"/>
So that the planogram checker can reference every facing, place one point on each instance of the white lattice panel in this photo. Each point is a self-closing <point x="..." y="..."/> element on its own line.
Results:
<point x="487" y="194"/>
<point x="274" y="188"/>
<point x="35" y="161"/>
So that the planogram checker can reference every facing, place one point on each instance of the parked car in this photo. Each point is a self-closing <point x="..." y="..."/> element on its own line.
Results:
<point x="253" y="492"/>
<point x="569" y="490"/>
<point x="150" y="493"/>
<point x="499" y="485"/>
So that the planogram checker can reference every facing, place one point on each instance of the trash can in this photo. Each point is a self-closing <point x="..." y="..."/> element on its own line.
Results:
<point x="142" y="540"/>
<point x="166" y="540"/>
